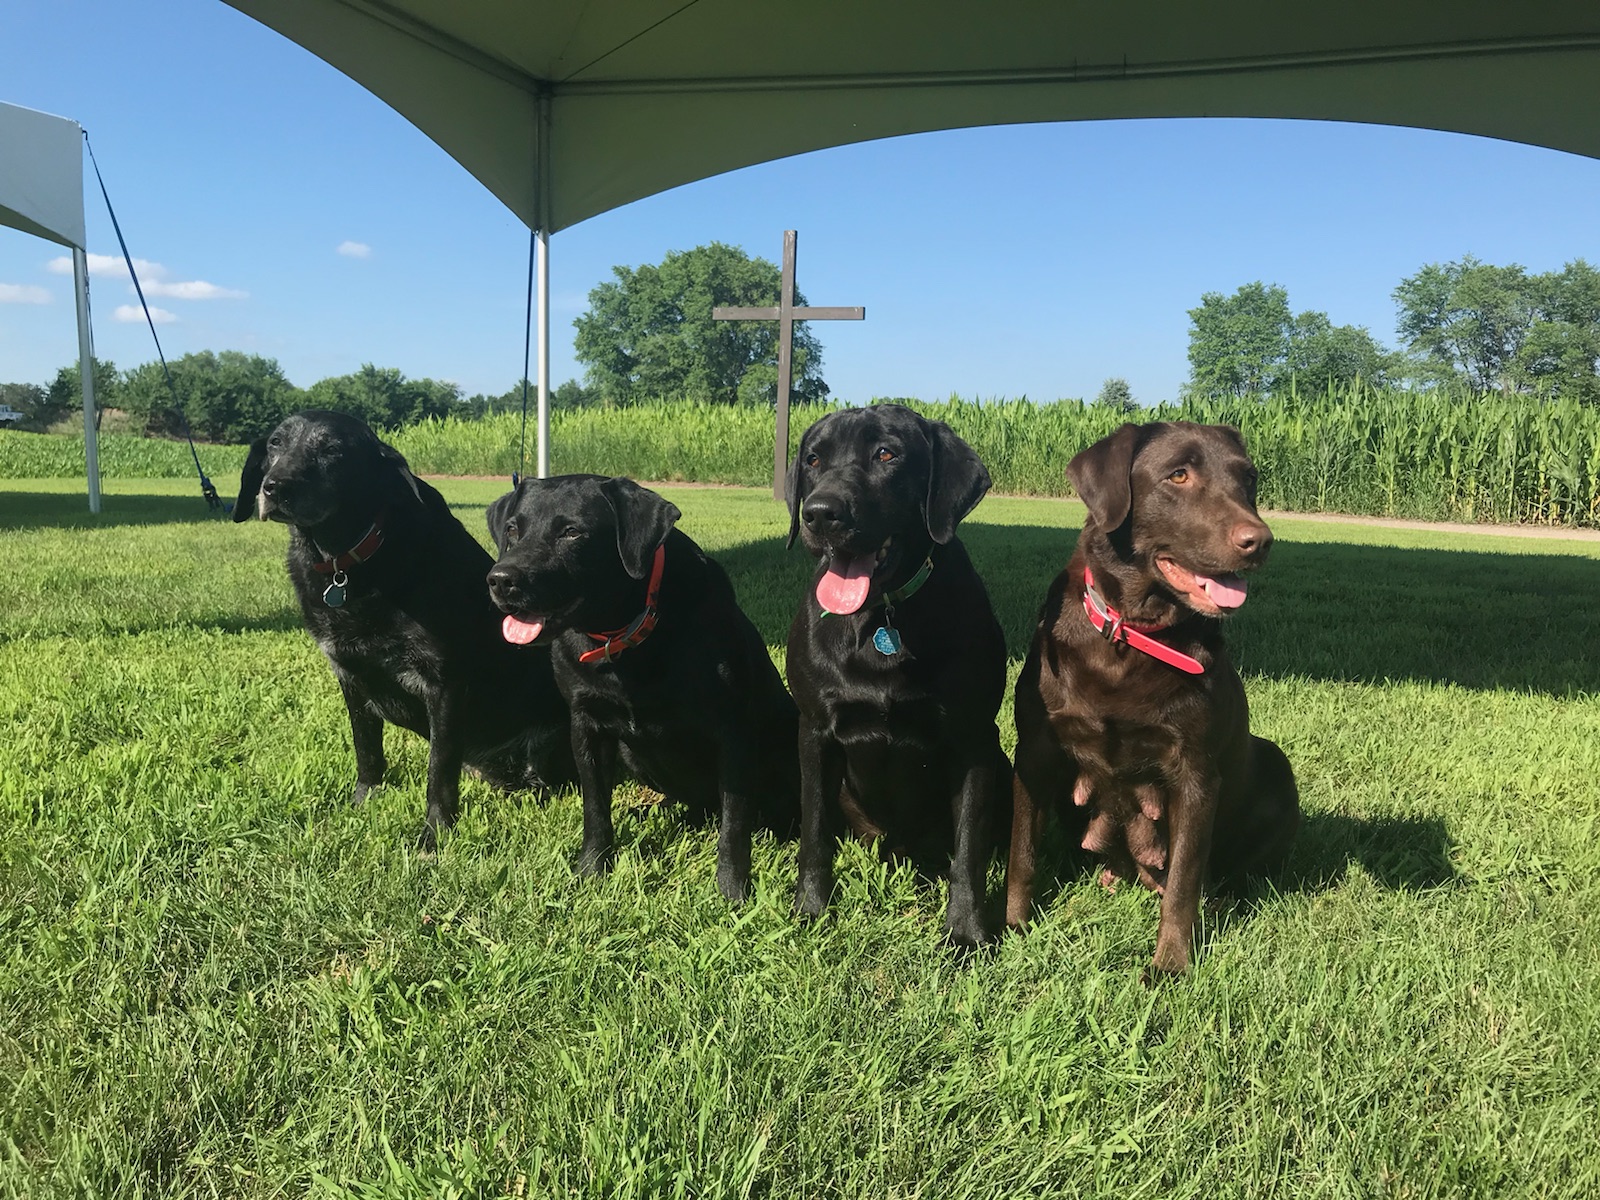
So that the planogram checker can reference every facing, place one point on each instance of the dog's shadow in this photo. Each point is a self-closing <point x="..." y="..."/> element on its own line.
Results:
<point x="1409" y="854"/>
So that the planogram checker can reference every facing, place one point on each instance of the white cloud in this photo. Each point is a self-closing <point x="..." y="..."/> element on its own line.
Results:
<point x="23" y="293"/>
<point x="192" y="289"/>
<point x="109" y="266"/>
<point x="132" y="312"/>
<point x="355" y="249"/>
<point x="153" y="277"/>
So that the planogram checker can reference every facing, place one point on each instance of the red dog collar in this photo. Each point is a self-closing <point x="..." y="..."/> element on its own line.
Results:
<point x="1110" y="624"/>
<point x="360" y="552"/>
<point x="631" y="634"/>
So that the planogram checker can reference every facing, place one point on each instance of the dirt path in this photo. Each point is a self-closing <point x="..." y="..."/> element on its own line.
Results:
<point x="1514" y="531"/>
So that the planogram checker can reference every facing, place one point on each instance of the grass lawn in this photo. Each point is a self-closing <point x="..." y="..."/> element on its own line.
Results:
<point x="216" y="978"/>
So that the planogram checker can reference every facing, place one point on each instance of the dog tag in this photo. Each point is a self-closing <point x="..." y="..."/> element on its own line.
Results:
<point x="333" y="594"/>
<point x="886" y="640"/>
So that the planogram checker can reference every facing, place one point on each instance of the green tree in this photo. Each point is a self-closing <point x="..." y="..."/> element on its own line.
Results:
<point x="1238" y="343"/>
<point x="224" y="397"/>
<point x="569" y="395"/>
<point x="384" y="398"/>
<point x="1249" y="344"/>
<point x="1321" y="354"/>
<point x="1469" y="320"/>
<point x="65" y="393"/>
<point x="649" y="333"/>
<point x="1115" y="393"/>
<point x="1561" y="352"/>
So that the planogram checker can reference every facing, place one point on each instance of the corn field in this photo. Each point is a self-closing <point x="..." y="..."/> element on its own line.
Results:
<point x="1378" y="453"/>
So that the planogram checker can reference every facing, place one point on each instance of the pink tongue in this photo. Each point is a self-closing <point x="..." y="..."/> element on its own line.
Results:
<point x="519" y="632"/>
<point x="844" y="588"/>
<point x="1226" y="591"/>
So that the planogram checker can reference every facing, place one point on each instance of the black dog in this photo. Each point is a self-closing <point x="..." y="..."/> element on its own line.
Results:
<point x="1128" y="702"/>
<point x="896" y="661"/>
<point x="654" y="657"/>
<point x="391" y="587"/>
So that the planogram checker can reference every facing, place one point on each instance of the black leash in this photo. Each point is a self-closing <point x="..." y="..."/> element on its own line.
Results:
<point x="207" y="488"/>
<point x="527" y="339"/>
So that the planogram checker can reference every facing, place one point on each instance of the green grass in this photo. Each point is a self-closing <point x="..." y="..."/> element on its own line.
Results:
<point x="216" y="978"/>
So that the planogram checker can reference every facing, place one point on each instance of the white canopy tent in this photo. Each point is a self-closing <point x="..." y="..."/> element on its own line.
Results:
<point x="41" y="192"/>
<point x="567" y="108"/>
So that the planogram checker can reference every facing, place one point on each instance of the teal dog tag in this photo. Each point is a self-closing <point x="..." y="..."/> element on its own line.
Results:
<point x="333" y="594"/>
<point x="886" y="640"/>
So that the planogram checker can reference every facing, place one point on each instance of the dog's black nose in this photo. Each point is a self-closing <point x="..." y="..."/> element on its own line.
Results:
<point x="825" y="510"/>
<point x="269" y="486"/>
<point x="502" y="583"/>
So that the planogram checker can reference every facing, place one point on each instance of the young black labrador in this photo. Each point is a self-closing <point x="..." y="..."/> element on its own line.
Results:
<point x="660" y="666"/>
<point x="1128" y="702"/>
<point x="391" y="587"/>
<point x="896" y="659"/>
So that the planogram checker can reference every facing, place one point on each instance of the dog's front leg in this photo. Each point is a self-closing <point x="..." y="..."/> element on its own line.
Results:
<point x="821" y="777"/>
<point x="979" y="783"/>
<point x="366" y="732"/>
<point x="446" y="750"/>
<point x="596" y="752"/>
<point x="739" y="775"/>
<point x="1191" y="816"/>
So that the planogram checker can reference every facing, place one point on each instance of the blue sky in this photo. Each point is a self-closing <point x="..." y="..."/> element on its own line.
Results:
<point x="1025" y="260"/>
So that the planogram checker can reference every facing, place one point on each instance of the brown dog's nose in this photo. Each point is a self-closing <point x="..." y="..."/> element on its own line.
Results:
<point x="1252" y="538"/>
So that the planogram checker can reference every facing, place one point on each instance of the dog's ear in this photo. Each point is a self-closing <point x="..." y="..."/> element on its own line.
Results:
<point x="255" y="470"/>
<point x="395" y="459"/>
<point x="643" y="521"/>
<point x="499" y="513"/>
<point x="1102" y="475"/>
<point x="791" y="491"/>
<point x="957" y="480"/>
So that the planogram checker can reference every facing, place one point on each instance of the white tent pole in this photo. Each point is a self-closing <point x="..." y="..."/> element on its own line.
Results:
<point x="542" y="254"/>
<point x="91" y="447"/>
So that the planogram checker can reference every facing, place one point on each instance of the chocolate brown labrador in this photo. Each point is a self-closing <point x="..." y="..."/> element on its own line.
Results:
<point x="1131" y="720"/>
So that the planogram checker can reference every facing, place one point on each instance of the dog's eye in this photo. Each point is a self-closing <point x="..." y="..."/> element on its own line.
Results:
<point x="571" y="531"/>
<point x="1181" y="475"/>
<point x="274" y="440"/>
<point x="884" y="454"/>
<point x="812" y="460"/>
<point x="512" y="532"/>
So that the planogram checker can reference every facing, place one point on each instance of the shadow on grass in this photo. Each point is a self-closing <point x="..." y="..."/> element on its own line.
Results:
<point x="70" y="510"/>
<point x="1326" y="611"/>
<point x="1402" y="854"/>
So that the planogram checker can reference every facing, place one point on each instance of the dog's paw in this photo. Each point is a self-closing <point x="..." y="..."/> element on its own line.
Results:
<point x="966" y="933"/>
<point x="595" y="860"/>
<point x="363" y="790"/>
<point x="1165" y="966"/>
<point x="733" y="884"/>
<point x="810" y="901"/>
<point x="428" y="840"/>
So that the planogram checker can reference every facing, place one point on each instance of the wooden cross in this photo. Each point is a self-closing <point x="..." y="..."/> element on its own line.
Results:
<point x="786" y="314"/>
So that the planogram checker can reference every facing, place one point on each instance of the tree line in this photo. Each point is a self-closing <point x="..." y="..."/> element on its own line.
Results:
<point x="1467" y="325"/>
<point x="649" y="335"/>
